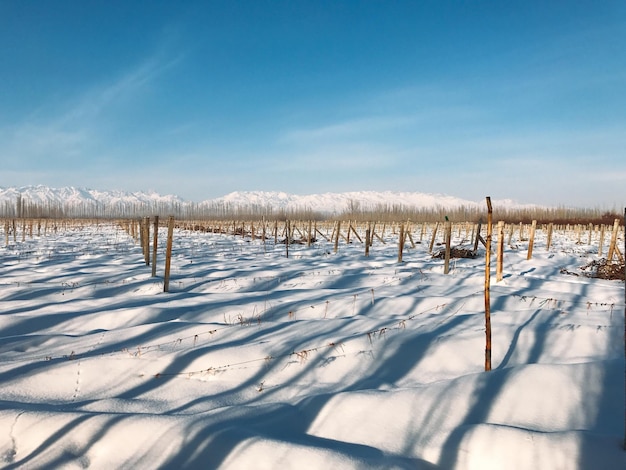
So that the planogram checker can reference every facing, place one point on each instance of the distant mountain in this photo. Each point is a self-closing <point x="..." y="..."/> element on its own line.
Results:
<point x="72" y="201"/>
<point x="74" y="196"/>
<point x="357" y="200"/>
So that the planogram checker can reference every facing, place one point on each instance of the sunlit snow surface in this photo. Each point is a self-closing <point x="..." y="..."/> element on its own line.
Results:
<point x="319" y="360"/>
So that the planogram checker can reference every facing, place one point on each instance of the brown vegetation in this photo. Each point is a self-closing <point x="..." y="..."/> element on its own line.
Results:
<point x="382" y="213"/>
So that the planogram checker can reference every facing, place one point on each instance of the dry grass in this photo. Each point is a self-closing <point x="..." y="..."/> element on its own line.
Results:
<point x="455" y="252"/>
<point x="601" y="269"/>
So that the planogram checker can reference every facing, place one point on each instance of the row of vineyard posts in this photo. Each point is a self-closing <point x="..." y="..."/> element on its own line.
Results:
<point x="308" y="231"/>
<point x="296" y="232"/>
<point x="341" y="230"/>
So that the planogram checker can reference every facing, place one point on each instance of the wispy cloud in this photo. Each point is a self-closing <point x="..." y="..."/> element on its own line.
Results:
<point x="356" y="128"/>
<point x="126" y="86"/>
<point x="55" y="135"/>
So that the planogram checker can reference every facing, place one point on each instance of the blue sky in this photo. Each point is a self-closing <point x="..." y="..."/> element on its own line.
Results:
<point x="522" y="99"/>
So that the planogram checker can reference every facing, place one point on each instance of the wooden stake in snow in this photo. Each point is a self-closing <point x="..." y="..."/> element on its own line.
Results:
<point x="487" y="283"/>
<point x="500" y="253"/>
<point x="601" y="240"/>
<point x="549" y="242"/>
<point x="401" y="242"/>
<point x="287" y="237"/>
<point x="168" y="254"/>
<point x="531" y="241"/>
<point x="146" y="240"/>
<point x="478" y="237"/>
<point x="432" y="240"/>
<point x="155" y="242"/>
<point x="448" y="236"/>
<point x="612" y="246"/>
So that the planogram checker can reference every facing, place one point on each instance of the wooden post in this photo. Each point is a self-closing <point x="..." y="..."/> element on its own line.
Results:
<point x="601" y="240"/>
<point x="337" y="236"/>
<point x="263" y="232"/>
<point x="168" y="254"/>
<point x="408" y="233"/>
<point x="263" y="236"/>
<point x="500" y="253"/>
<point x="432" y="240"/>
<point x="155" y="244"/>
<point x="401" y="242"/>
<point x="146" y="248"/>
<point x="368" y="232"/>
<point x="477" y="238"/>
<point x="549" y="242"/>
<point x="6" y="232"/>
<point x="142" y="235"/>
<point x="448" y="236"/>
<point x="287" y="237"/>
<point x="613" y="240"/>
<point x="356" y="234"/>
<point x="531" y="240"/>
<point x="309" y="233"/>
<point x="487" y="284"/>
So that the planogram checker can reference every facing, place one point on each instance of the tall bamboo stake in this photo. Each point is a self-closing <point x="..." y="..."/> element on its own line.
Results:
<point x="487" y="283"/>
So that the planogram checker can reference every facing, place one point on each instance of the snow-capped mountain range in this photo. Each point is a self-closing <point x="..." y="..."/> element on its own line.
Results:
<point x="72" y="199"/>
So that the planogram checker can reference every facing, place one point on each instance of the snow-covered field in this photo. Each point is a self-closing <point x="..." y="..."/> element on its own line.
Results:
<point x="320" y="360"/>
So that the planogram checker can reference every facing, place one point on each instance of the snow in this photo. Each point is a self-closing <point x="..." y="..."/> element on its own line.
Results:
<point x="319" y="360"/>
